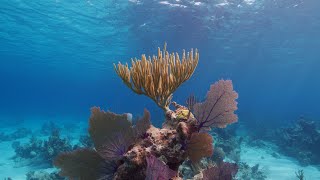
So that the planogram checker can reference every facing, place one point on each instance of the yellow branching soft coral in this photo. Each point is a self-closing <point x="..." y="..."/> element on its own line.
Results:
<point x="158" y="77"/>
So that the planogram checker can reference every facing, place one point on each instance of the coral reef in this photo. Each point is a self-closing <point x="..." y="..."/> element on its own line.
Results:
<point x="85" y="141"/>
<point x="48" y="127"/>
<point x="17" y="134"/>
<point x="247" y="173"/>
<point x="300" y="141"/>
<point x="41" y="151"/>
<point x="126" y="151"/>
<point x="43" y="175"/>
<point x="226" y="141"/>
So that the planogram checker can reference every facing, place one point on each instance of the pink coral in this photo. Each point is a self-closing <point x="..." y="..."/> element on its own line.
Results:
<point x="218" y="108"/>
<point x="157" y="170"/>
<point x="225" y="171"/>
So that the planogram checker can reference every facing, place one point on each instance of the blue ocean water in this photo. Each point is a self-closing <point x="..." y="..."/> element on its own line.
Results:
<point x="56" y="56"/>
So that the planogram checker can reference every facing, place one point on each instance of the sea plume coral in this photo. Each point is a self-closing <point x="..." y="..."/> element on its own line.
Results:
<point x="158" y="77"/>
<point x="218" y="108"/>
<point x="199" y="146"/>
<point x="157" y="170"/>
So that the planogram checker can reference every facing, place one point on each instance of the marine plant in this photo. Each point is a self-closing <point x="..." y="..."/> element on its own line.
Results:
<point x="124" y="151"/>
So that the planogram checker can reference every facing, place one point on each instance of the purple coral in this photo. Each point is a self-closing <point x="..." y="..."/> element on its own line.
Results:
<point x="225" y="171"/>
<point x="142" y="125"/>
<point x="116" y="146"/>
<point x="80" y="164"/>
<point x="218" y="108"/>
<point x="157" y="170"/>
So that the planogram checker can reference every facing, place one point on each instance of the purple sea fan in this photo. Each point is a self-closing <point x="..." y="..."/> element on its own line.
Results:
<point x="157" y="170"/>
<point x="199" y="146"/>
<point x="79" y="164"/>
<point x="225" y="171"/>
<point x="218" y="108"/>
<point x="116" y="146"/>
<point x="142" y="125"/>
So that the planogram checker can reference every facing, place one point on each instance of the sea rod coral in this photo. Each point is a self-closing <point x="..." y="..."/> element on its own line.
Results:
<point x="126" y="151"/>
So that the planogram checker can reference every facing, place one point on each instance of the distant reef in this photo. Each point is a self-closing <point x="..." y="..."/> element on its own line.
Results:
<point x="301" y="141"/>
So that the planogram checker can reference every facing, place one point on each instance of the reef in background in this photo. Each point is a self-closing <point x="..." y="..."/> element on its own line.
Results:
<point x="301" y="141"/>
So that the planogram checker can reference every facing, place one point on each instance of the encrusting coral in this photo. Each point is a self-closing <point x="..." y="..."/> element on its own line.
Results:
<point x="124" y="151"/>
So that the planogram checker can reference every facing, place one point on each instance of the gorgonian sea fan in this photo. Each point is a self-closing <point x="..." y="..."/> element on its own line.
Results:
<point x="117" y="145"/>
<point x="218" y="108"/>
<point x="142" y="125"/>
<point x="225" y="171"/>
<point x="79" y="164"/>
<point x="157" y="170"/>
<point x="103" y="125"/>
<point x="199" y="146"/>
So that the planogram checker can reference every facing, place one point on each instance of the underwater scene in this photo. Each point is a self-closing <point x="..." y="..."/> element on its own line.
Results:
<point x="160" y="90"/>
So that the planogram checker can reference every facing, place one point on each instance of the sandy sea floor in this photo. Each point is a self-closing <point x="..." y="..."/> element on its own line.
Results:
<point x="276" y="168"/>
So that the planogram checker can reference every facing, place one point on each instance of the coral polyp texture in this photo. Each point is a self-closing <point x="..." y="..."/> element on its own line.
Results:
<point x="126" y="151"/>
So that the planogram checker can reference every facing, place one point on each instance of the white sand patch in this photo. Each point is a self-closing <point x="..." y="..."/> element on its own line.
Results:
<point x="7" y="168"/>
<point x="277" y="168"/>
